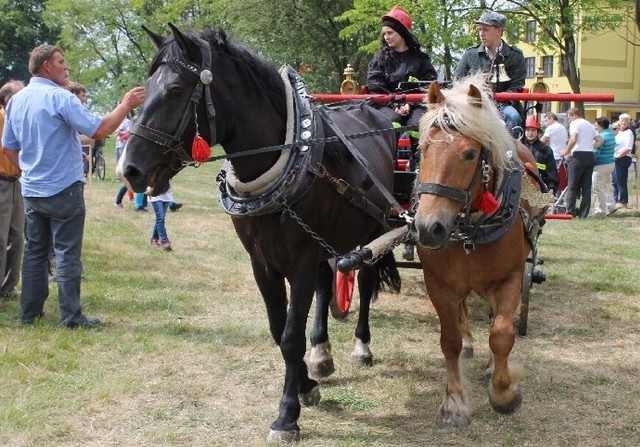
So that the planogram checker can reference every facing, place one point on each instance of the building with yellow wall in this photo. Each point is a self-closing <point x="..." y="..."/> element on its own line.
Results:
<point x="609" y="62"/>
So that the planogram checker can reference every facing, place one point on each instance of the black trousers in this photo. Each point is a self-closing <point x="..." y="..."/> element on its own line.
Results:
<point x="579" y="169"/>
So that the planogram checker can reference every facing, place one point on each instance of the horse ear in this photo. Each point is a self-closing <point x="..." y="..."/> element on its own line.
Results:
<point x="475" y="95"/>
<point x="157" y="39"/>
<point x="189" y="50"/>
<point x="434" y="95"/>
<point x="221" y="37"/>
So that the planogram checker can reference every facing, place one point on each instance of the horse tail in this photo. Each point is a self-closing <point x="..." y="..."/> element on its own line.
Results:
<point x="388" y="275"/>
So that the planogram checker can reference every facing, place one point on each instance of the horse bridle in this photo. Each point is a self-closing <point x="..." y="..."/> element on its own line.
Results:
<point x="202" y="76"/>
<point x="457" y="194"/>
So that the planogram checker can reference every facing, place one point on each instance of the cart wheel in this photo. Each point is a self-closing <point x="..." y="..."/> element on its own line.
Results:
<point x="343" y="285"/>
<point x="526" y="293"/>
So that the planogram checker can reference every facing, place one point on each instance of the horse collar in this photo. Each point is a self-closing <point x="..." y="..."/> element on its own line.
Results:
<point x="295" y="177"/>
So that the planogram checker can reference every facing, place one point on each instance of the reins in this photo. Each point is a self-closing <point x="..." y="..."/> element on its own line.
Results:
<point x="280" y="147"/>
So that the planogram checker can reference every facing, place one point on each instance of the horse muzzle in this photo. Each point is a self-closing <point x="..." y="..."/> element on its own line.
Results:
<point x="432" y="232"/>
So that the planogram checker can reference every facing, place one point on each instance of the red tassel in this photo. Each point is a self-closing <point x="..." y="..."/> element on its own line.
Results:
<point x="200" y="150"/>
<point x="486" y="203"/>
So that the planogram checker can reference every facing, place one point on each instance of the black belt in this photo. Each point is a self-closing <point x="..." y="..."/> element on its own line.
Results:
<point x="9" y="178"/>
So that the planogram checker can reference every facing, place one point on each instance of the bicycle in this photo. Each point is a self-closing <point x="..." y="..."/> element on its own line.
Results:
<point x="99" y="165"/>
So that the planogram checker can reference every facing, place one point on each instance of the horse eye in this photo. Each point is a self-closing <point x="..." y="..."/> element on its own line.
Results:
<point x="470" y="155"/>
<point x="176" y="91"/>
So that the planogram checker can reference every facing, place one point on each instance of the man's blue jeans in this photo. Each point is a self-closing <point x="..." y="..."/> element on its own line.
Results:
<point x="57" y="220"/>
<point x="511" y="117"/>
<point x="159" y="230"/>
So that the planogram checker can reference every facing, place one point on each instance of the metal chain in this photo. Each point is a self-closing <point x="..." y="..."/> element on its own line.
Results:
<point x="324" y="244"/>
<point x="389" y="249"/>
<point x="321" y="241"/>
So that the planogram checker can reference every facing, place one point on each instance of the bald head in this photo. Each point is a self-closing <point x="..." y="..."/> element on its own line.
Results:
<point x="8" y="90"/>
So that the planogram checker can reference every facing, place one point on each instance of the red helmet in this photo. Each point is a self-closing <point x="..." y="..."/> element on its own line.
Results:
<point x="399" y="14"/>
<point x="532" y="122"/>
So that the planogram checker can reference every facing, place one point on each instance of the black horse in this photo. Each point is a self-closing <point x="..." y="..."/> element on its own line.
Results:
<point x="299" y="191"/>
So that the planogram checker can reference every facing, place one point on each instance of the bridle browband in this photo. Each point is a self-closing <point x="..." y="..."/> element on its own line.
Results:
<point x="202" y="76"/>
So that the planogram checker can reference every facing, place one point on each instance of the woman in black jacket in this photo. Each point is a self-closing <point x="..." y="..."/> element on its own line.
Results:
<point x="399" y="60"/>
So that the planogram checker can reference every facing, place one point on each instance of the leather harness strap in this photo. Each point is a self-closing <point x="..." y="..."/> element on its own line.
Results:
<point x="363" y="162"/>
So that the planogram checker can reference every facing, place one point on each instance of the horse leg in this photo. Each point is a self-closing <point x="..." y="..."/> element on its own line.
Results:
<point x="367" y="287"/>
<point x="455" y="410"/>
<point x="320" y="361"/>
<point x="504" y="387"/>
<point x="288" y="331"/>
<point x="465" y="330"/>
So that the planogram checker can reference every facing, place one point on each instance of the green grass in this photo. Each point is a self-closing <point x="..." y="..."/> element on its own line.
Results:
<point x="185" y="357"/>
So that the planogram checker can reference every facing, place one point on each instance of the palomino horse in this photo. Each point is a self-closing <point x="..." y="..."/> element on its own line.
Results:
<point x="467" y="240"/>
<point x="298" y="190"/>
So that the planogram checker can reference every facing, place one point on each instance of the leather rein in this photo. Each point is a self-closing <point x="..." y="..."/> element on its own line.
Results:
<point x="202" y="77"/>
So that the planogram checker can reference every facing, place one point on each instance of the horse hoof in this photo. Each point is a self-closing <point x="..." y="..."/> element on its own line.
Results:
<point x="322" y="370"/>
<point x="310" y="399"/>
<point x="451" y="420"/>
<point x="507" y="400"/>
<point x="321" y="362"/>
<point x="283" y="437"/>
<point x="507" y="407"/>
<point x="361" y="355"/>
<point x="467" y="352"/>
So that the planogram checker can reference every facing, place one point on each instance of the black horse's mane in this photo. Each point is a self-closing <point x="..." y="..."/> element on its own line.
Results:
<point x="254" y="69"/>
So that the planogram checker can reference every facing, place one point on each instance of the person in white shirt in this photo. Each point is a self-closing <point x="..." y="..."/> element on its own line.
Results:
<point x="122" y="134"/>
<point x="622" y="159"/>
<point x="580" y="157"/>
<point x="555" y="136"/>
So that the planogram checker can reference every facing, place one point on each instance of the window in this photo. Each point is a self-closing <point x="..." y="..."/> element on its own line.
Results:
<point x="547" y="65"/>
<point x="531" y="67"/>
<point x="531" y="31"/>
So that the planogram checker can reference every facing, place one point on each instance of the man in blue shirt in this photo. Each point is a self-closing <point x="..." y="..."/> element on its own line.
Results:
<point x="42" y="136"/>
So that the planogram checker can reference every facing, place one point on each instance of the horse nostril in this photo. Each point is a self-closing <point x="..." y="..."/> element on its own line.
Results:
<point x="439" y="230"/>
<point x="431" y="234"/>
<point x="134" y="177"/>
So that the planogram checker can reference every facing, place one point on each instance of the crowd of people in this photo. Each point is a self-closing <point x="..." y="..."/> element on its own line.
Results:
<point x="586" y="157"/>
<point x="45" y="128"/>
<point x="42" y="175"/>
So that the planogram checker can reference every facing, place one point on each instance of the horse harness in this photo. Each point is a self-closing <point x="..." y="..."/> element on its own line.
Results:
<point x="295" y="181"/>
<point x="473" y="228"/>
<point x="202" y="77"/>
<point x="303" y="168"/>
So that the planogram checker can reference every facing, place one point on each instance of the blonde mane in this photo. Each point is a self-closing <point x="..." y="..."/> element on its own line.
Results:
<point x="459" y="112"/>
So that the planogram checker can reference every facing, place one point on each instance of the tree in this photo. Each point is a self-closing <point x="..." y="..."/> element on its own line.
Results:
<point x="105" y="45"/>
<point x="302" y="33"/>
<point x="562" y="22"/>
<point x="441" y="27"/>
<point x="21" y="29"/>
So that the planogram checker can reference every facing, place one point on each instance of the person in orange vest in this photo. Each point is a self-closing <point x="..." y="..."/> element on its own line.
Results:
<point x="542" y="153"/>
<point x="11" y="209"/>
